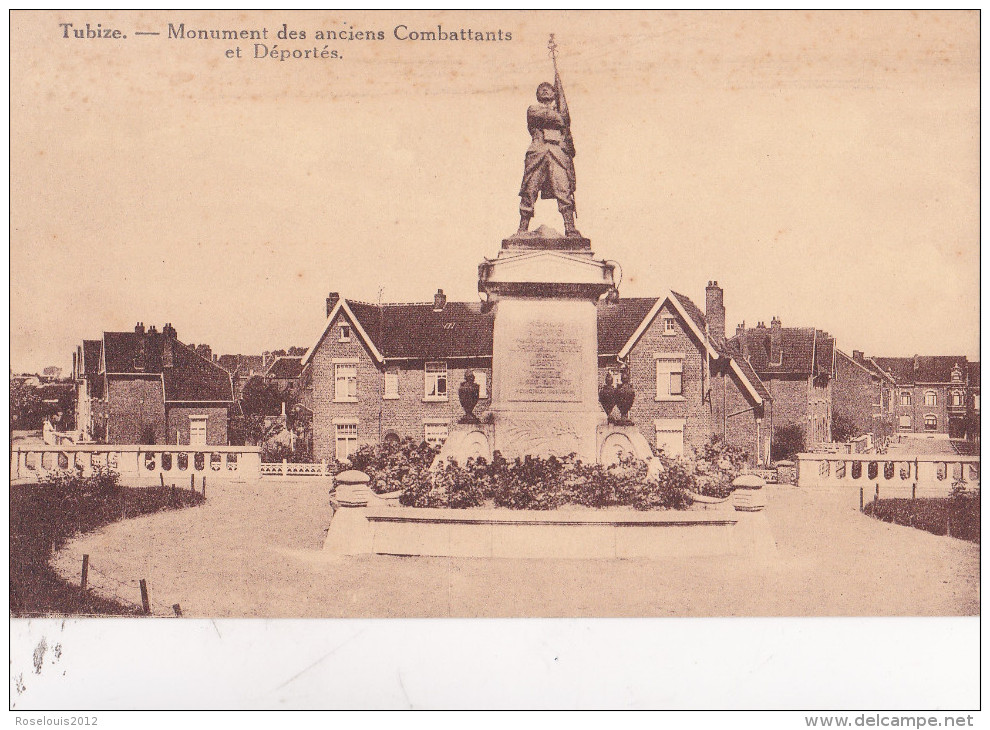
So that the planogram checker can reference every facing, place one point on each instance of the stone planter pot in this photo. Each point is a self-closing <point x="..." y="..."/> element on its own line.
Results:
<point x="748" y="494"/>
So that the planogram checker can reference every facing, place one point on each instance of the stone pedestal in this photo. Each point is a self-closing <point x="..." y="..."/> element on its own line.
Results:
<point x="545" y="288"/>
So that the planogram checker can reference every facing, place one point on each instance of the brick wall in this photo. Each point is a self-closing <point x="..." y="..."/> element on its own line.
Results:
<point x="178" y="423"/>
<point x="855" y="394"/>
<point x="135" y="404"/>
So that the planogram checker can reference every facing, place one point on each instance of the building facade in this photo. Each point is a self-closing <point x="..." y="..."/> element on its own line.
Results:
<point x="862" y="394"/>
<point x="797" y="366"/>
<point x="392" y="371"/>
<point x="146" y="387"/>
<point x="934" y="394"/>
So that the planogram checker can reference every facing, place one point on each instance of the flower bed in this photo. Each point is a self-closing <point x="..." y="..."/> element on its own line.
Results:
<point x="537" y="483"/>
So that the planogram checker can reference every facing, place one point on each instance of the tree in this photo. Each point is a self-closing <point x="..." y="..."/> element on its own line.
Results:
<point x="26" y="412"/>
<point x="788" y="441"/>
<point x="843" y="428"/>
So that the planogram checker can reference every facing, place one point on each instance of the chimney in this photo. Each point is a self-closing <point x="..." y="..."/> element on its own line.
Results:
<point x="204" y="351"/>
<point x="332" y="300"/>
<point x="858" y="355"/>
<point x="139" y="328"/>
<point x="776" y="342"/>
<point x="152" y="330"/>
<point x="169" y="331"/>
<point x="715" y="310"/>
<point x="439" y="301"/>
<point x="743" y="339"/>
<point x="168" y="353"/>
<point x="917" y="365"/>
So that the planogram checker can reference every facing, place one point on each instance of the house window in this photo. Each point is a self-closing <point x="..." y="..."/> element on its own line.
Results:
<point x="930" y="398"/>
<point x="957" y="398"/>
<point x="931" y="423"/>
<point x="616" y="374"/>
<point x="435" y="434"/>
<point x="670" y="435"/>
<point x="345" y="333"/>
<point x="905" y="397"/>
<point x="976" y="401"/>
<point x="391" y="385"/>
<point x="345" y="383"/>
<point x="197" y="430"/>
<point x="670" y="377"/>
<point x="956" y="376"/>
<point x="436" y="381"/>
<point x="345" y="440"/>
<point x="905" y="423"/>
<point x="669" y="325"/>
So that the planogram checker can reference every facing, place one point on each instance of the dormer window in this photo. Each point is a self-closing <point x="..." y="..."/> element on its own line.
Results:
<point x="345" y="333"/>
<point x="669" y="325"/>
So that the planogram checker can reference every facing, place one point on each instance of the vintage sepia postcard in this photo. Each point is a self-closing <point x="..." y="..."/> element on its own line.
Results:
<point x="495" y="315"/>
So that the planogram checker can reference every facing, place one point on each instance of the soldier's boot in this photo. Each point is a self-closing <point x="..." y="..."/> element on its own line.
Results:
<point x="569" y="230"/>
<point x="524" y="222"/>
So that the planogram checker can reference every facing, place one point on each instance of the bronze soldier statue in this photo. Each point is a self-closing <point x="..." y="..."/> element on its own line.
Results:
<point x="549" y="167"/>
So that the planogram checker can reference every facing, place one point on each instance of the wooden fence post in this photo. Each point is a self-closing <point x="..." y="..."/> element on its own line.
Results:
<point x="204" y="487"/>
<point x="876" y="494"/>
<point x="860" y="499"/>
<point x="161" y="476"/>
<point x="145" y="601"/>
<point x="85" y="572"/>
<point x="285" y="467"/>
<point x="914" y="489"/>
<point x="192" y="482"/>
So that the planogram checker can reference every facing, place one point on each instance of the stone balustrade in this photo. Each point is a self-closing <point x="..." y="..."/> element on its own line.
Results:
<point x="137" y="464"/>
<point x="896" y="474"/>
<point x="287" y="468"/>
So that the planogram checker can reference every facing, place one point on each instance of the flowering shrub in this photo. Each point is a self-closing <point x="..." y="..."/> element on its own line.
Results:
<point x="393" y="466"/>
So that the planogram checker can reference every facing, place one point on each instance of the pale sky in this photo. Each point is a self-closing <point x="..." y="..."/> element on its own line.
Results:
<point x="823" y="167"/>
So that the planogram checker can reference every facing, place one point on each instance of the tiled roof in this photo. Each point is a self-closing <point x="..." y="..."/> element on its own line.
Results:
<point x="974" y="374"/>
<point x="460" y="329"/>
<point x="241" y="364"/>
<point x="189" y="377"/>
<point x="922" y="368"/>
<point x="717" y="340"/>
<point x="284" y="367"/>
<point x="617" y="321"/>
<point x="753" y="378"/>
<point x="804" y="350"/>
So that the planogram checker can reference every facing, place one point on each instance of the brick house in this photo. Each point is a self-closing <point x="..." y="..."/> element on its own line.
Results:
<point x="797" y="365"/>
<point x="391" y="371"/>
<point x="242" y="368"/>
<point x="146" y="387"/>
<point x="862" y="393"/>
<point x="284" y="371"/>
<point x="933" y="393"/>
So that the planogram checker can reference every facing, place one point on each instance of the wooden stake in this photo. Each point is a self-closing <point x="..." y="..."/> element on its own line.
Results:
<point x="876" y="494"/>
<point x="145" y="601"/>
<point x="161" y="476"/>
<point x="178" y="610"/>
<point x="85" y="572"/>
<point x="914" y="489"/>
<point x="860" y="499"/>
<point x="192" y="482"/>
<point x="204" y="487"/>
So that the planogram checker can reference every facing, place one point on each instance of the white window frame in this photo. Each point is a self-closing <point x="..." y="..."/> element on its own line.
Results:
<point x="934" y="398"/>
<point x="346" y="331"/>
<point x="668" y="325"/>
<point x="924" y="423"/>
<point x="390" y="393"/>
<point x="664" y="375"/>
<point x="957" y="396"/>
<point x="345" y="431"/>
<point x="905" y="394"/>
<point x="669" y="425"/>
<point x="904" y="423"/>
<point x="429" y="424"/>
<point x="433" y="379"/>
<point x="198" y="419"/>
<point x="338" y="364"/>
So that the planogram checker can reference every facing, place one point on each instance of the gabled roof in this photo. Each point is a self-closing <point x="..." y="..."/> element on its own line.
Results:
<point x="465" y="329"/>
<point x="922" y="368"/>
<point x="804" y="351"/>
<point x="242" y="364"/>
<point x="285" y="367"/>
<point x="866" y="364"/>
<point x="186" y="375"/>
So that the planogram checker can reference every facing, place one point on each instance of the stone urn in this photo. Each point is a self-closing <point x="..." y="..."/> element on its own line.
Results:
<point x="469" y="393"/>
<point x="624" y="397"/>
<point x="606" y="395"/>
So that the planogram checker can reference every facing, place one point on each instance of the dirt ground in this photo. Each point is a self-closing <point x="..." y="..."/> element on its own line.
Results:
<point x="254" y="551"/>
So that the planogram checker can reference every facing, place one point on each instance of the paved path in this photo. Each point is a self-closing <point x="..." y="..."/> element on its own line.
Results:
<point x="255" y="551"/>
